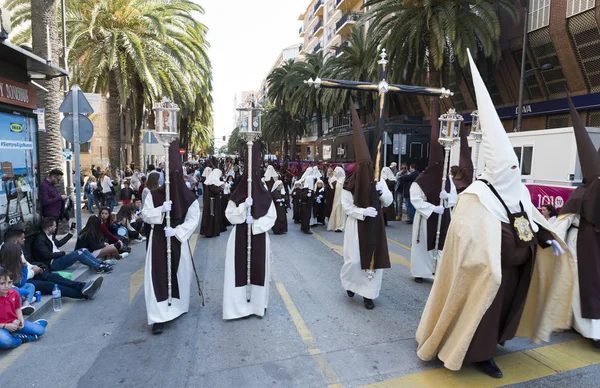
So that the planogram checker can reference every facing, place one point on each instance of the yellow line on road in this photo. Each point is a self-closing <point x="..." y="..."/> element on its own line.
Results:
<point x="399" y="244"/>
<point x="517" y="368"/>
<point x="14" y="354"/>
<point x="324" y="367"/>
<point x="394" y="257"/>
<point x="135" y="283"/>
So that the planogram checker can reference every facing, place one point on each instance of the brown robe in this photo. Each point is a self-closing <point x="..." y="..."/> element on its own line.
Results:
<point x="212" y="224"/>
<point x="329" y="196"/>
<point x="389" y="212"/>
<point x="281" y="225"/>
<point x="319" y="208"/>
<point x="296" y="205"/>
<point x="306" y="204"/>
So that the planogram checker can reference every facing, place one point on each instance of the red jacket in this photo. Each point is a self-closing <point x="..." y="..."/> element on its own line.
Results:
<point x="111" y="237"/>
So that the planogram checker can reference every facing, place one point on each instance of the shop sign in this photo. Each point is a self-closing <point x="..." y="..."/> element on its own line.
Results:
<point x="16" y="93"/>
<point x="15" y="145"/>
<point x="326" y="152"/>
<point x="41" y="119"/>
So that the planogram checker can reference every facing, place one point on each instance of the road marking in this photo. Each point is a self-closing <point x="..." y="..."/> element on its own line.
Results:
<point x="323" y="365"/>
<point x="14" y="354"/>
<point x="135" y="283"/>
<point x="399" y="244"/>
<point x="517" y="367"/>
<point x="394" y="257"/>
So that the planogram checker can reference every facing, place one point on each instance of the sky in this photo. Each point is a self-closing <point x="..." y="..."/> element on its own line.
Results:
<point x="246" y="36"/>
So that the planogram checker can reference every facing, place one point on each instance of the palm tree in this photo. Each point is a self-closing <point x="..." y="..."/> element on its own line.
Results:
<point x="422" y="36"/>
<point x="278" y="125"/>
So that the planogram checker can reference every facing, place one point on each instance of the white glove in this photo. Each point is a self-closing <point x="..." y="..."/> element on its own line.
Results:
<point x="370" y="212"/>
<point x="166" y="207"/>
<point x="380" y="186"/>
<point x="556" y="248"/>
<point x="443" y="195"/>
<point x="438" y="209"/>
<point x="169" y="232"/>
<point x="309" y="195"/>
<point x="318" y="200"/>
<point x="249" y="201"/>
<point x="249" y="220"/>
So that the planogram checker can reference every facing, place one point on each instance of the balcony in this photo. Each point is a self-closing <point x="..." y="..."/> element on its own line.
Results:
<point x="346" y="4"/>
<point x="346" y="23"/>
<point x="318" y="48"/>
<point x="318" y="8"/>
<point x="318" y="29"/>
<point x="301" y="32"/>
<point x="339" y="50"/>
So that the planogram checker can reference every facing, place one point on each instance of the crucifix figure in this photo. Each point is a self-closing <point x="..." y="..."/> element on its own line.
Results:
<point x="374" y="253"/>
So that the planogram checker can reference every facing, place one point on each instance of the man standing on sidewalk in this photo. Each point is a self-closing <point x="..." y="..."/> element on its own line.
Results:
<point x="51" y="200"/>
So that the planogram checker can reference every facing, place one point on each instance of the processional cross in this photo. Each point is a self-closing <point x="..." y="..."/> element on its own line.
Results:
<point x="382" y="89"/>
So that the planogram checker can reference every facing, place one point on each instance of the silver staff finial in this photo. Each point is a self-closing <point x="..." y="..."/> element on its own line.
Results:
<point x="383" y="60"/>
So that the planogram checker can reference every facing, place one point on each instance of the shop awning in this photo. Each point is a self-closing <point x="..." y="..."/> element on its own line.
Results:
<point x="36" y="66"/>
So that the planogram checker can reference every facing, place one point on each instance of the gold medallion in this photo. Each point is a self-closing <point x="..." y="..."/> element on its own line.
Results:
<point x="523" y="229"/>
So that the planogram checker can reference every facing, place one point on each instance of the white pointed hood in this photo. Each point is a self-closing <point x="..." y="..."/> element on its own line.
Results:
<point x="206" y="172"/>
<point x="276" y="185"/>
<point x="270" y="173"/>
<point x="501" y="163"/>
<point x="215" y="178"/>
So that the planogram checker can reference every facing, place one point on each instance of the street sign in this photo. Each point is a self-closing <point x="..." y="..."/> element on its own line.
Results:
<point x="403" y="144"/>
<point x="86" y="129"/>
<point x="67" y="154"/>
<point x="396" y="144"/>
<point x="41" y="119"/>
<point x="149" y="138"/>
<point x="82" y="102"/>
<point x="182" y="151"/>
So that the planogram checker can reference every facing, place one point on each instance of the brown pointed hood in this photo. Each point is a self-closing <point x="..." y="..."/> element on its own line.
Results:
<point x="585" y="200"/>
<point x="464" y="175"/>
<point x="260" y="195"/>
<point x="372" y="238"/>
<point x="430" y="180"/>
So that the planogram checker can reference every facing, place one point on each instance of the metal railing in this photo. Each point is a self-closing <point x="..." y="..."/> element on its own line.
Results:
<point x="347" y="17"/>
<point x="317" y="5"/>
<point x="317" y="48"/>
<point x="319" y="25"/>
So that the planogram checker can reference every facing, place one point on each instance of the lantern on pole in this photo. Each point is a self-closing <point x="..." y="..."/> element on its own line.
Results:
<point x="165" y="113"/>
<point x="449" y="134"/>
<point x="477" y="135"/>
<point x="250" y="115"/>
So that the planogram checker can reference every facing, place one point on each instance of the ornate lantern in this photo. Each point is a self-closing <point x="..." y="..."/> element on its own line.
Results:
<point x="477" y="135"/>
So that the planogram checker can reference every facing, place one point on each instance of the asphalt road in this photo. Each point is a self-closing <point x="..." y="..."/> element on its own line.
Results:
<point x="313" y="334"/>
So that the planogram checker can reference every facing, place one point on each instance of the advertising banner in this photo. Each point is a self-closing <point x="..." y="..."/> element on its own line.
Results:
<point x="549" y="195"/>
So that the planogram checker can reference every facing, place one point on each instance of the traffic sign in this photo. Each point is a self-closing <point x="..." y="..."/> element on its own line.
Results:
<point x="149" y="138"/>
<point x="86" y="129"/>
<point x="82" y="102"/>
<point x="182" y="151"/>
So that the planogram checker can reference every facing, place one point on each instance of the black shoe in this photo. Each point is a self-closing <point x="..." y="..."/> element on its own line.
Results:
<point x="596" y="344"/>
<point x="91" y="288"/>
<point x="104" y="269"/>
<point x="369" y="305"/>
<point x="308" y="232"/>
<point x="350" y="293"/>
<point x="419" y="280"/>
<point x="158" y="328"/>
<point x="338" y="231"/>
<point x="490" y="368"/>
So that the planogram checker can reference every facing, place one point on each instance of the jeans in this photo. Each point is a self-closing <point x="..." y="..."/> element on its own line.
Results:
<point x="27" y="291"/>
<point x="109" y="201"/>
<point x="92" y="200"/>
<point x="411" y="210"/>
<point x="7" y="340"/>
<point x="45" y="281"/>
<point x="85" y="258"/>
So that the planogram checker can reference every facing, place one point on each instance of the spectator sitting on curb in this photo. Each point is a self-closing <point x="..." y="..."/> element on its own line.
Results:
<point x="91" y="238"/>
<point x="124" y="217"/>
<point x="45" y="248"/>
<point x="43" y="280"/>
<point x="14" y="329"/>
<point x="109" y="231"/>
<point x="51" y="200"/>
<point x="13" y="264"/>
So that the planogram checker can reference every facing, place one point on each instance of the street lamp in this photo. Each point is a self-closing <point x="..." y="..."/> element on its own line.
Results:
<point x="250" y="131"/>
<point x="477" y="135"/>
<point x="166" y="132"/>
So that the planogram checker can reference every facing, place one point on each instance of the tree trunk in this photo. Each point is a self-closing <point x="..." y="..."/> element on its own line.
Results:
<point x="138" y="126"/>
<point x="114" y="125"/>
<point x="319" y="122"/>
<point x="43" y="14"/>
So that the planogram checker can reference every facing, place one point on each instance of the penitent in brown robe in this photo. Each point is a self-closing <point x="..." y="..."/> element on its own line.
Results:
<point x="212" y="223"/>
<point x="501" y="320"/>
<point x="306" y="204"/>
<point x="281" y="225"/>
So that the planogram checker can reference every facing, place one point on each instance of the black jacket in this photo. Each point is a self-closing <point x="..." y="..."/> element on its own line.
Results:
<point x="42" y="248"/>
<point x="406" y="182"/>
<point x="87" y="241"/>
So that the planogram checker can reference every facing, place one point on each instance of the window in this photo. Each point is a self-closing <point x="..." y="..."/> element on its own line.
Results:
<point x="557" y="121"/>
<point x="577" y="6"/>
<point x="85" y="147"/>
<point x="525" y="157"/>
<point x="539" y="14"/>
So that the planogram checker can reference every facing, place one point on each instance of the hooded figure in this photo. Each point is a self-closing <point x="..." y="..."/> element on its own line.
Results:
<point x="365" y="241"/>
<point x="389" y="212"/>
<point x="337" y="218"/>
<point x="296" y="203"/>
<point x="464" y="176"/>
<point x="306" y="200"/>
<point x="578" y="223"/>
<point x="270" y="177"/>
<point x="278" y="194"/>
<point x="262" y="218"/>
<point x="212" y="222"/>
<point x="185" y="216"/>
<point x="425" y="196"/>
<point x="319" y="204"/>
<point x="493" y="281"/>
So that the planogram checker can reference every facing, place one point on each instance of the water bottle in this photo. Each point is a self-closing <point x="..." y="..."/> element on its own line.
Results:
<point x="56" y="299"/>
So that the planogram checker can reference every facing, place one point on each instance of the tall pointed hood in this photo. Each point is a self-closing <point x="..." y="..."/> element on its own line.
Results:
<point x="430" y="180"/>
<point x="501" y="163"/>
<point x="464" y="176"/>
<point x="585" y="199"/>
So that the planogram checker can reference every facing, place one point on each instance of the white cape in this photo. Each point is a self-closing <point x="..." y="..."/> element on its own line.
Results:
<point x="337" y="218"/>
<point x="589" y="328"/>
<point x="422" y="261"/>
<point x="161" y="311"/>
<point x="353" y="277"/>
<point x="234" y="298"/>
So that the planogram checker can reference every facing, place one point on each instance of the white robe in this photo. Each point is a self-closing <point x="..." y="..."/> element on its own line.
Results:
<point x="422" y="261"/>
<point x="353" y="277"/>
<point x="589" y="328"/>
<point x="337" y="218"/>
<point x="234" y="298"/>
<point x="161" y="311"/>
